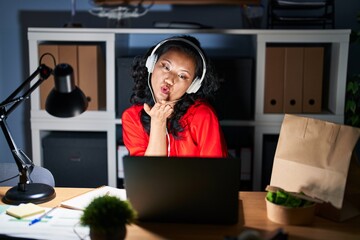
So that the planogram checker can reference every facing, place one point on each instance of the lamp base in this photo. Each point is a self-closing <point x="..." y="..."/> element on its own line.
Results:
<point x="34" y="193"/>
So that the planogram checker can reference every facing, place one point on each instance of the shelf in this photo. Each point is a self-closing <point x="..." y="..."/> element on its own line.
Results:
<point x="182" y="2"/>
<point x="292" y="12"/>
<point x="283" y="4"/>
<point x="118" y="42"/>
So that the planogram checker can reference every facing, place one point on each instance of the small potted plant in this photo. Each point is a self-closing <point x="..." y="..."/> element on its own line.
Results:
<point x="107" y="217"/>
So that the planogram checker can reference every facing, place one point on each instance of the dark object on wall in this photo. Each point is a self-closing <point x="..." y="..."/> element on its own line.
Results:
<point x="235" y="98"/>
<point x="301" y="13"/>
<point x="124" y="84"/>
<point x="269" y="148"/>
<point x="76" y="159"/>
<point x="252" y="16"/>
<point x="180" y="25"/>
<point x="72" y="23"/>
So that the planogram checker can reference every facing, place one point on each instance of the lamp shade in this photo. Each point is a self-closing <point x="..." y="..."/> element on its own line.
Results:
<point x="65" y="99"/>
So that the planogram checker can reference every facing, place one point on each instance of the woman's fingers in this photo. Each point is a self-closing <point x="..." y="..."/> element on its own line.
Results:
<point x="147" y="108"/>
<point x="159" y="110"/>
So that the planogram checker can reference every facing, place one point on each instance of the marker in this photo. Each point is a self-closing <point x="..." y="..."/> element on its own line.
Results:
<point x="41" y="217"/>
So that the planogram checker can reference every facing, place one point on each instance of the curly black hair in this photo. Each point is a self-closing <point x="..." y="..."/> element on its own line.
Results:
<point x="142" y="94"/>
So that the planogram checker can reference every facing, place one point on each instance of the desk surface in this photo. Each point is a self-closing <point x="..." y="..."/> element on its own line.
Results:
<point x="252" y="215"/>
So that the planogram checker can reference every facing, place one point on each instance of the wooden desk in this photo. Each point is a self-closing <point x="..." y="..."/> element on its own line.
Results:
<point x="252" y="215"/>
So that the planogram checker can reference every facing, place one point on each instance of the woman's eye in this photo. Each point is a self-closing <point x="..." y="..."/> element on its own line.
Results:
<point x="166" y="67"/>
<point x="183" y="76"/>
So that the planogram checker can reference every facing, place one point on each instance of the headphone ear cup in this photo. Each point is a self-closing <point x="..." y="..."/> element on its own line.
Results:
<point x="150" y="62"/>
<point x="195" y="86"/>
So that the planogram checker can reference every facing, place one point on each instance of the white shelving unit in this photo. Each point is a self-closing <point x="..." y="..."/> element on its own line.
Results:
<point x="115" y="39"/>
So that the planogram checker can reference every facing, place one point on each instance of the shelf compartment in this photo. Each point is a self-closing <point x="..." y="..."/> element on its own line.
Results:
<point x="67" y="154"/>
<point x="294" y="78"/>
<point x="292" y="12"/>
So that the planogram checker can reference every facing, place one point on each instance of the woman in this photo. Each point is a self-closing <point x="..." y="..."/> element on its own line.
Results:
<point x="170" y="115"/>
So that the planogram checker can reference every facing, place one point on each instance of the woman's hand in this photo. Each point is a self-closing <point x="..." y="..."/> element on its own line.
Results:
<point x="160" y="112"/>
<point x="157" y="141"/>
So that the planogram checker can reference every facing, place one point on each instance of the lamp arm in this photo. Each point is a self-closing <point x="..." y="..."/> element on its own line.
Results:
<point x="44" y="72"/>
<point x="24" y="163"/>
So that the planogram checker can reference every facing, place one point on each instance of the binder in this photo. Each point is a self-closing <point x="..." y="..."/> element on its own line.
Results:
<point x="293" y="80"/>
<point x="92" y="80"/>
<point x="47" y="85"/>
<point x="313" y="79"/>
<point x="274" y="79"/>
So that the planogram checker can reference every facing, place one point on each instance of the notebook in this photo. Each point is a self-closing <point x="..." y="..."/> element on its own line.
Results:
<point x="183" y="189"/>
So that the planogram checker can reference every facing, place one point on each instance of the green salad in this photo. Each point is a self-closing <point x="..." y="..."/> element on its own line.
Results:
<point x="283" y="198"/>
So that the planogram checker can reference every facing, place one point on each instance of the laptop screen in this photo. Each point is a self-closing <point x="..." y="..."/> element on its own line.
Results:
<point x="183" y="189"/>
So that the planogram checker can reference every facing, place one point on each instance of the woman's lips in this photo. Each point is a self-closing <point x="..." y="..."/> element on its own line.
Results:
<point x="165" y="90"/>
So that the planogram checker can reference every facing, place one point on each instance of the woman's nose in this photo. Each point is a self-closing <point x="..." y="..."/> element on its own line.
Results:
<point x="169" y="80"/>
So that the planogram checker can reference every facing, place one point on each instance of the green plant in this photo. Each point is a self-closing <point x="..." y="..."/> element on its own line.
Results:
<point x="352" y="106"/>
<point x="107" y="213"/>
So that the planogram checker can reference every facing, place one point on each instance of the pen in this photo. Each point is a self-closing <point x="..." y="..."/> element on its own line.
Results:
<point x="38" y="219"/>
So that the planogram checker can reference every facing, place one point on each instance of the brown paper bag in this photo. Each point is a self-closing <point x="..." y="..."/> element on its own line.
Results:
<point x="313" y="156"/>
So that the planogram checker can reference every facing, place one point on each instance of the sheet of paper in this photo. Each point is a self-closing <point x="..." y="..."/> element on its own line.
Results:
<point x="60" y="224"/>
<point x="3" y="208"/>
<point x="82" y="201"/>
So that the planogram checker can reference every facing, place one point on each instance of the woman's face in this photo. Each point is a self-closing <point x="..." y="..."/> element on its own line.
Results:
<point x="173" y="74"/>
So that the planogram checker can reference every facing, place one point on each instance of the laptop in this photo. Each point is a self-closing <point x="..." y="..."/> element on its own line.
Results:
<point x="183" y="189"/>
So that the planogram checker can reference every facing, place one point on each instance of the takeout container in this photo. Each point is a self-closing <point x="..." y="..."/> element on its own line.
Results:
<point x="301" y="215"/>
<point x="290" y="215"/>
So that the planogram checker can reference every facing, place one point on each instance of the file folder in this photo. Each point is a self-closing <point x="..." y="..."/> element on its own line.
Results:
<point x="313" y="79"/>
<point x="274" y="79"/>
<point x="293" y="79"/>
<point x="92" y="75"/>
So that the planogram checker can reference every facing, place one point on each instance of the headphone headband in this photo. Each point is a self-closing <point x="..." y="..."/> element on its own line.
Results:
<point x="151" y="61"/>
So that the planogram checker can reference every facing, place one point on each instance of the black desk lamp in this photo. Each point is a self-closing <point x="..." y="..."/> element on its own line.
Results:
<point x="65" y="100"/>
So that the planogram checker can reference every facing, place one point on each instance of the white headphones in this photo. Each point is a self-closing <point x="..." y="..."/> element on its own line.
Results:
<point x="151" y="61"/>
